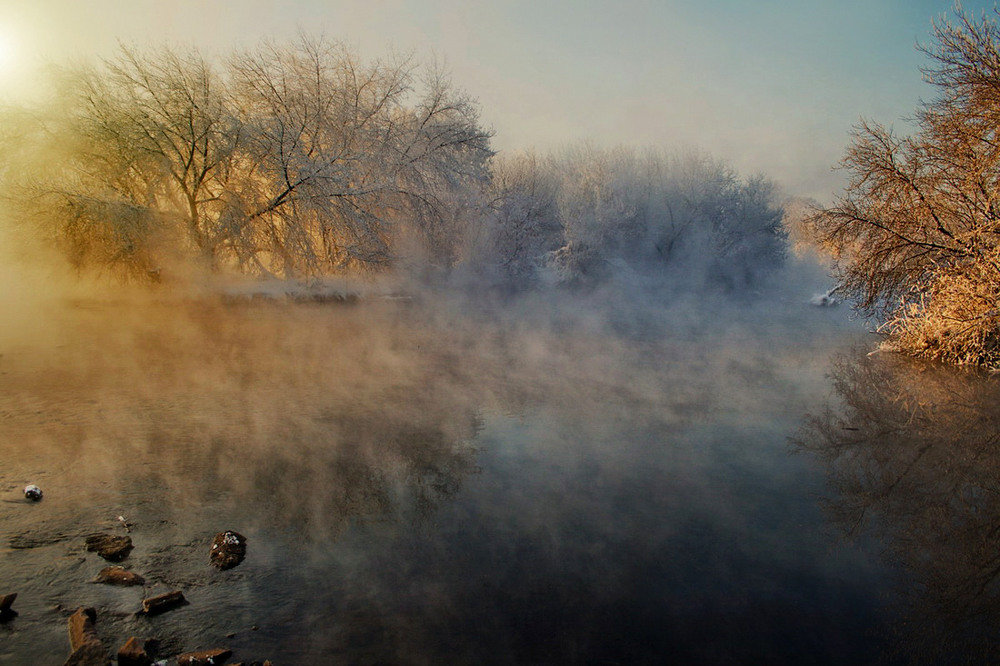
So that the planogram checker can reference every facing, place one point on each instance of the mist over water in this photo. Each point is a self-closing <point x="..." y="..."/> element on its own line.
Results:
<point x="560" y="476"/>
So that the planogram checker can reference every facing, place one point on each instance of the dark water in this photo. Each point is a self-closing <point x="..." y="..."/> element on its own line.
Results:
<point x="435" y="485"/>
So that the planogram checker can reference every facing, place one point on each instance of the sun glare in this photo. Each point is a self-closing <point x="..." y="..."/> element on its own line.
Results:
<point x="7" y="49"/>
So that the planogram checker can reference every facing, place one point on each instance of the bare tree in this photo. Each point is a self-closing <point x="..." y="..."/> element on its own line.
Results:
<point x="294" y="160"/>
<point x="127" y="160"/>
<point x="344" y="156"/>
<point x="163" y="138"/>
<point x="917" y="233"/>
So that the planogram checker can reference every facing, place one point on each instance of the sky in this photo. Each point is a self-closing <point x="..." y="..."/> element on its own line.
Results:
<point x="769" y="86"/>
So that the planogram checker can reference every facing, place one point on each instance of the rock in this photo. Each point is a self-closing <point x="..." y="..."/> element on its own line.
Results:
<point x="81" y="628"/>
<point x="33" y="492"/>
<point x="228" y="549"/>
<point x="88" y="654"/>
<point x="83" y="641"/>
<point x="110" y="547"/>
<point x="6" y="612"/>
<point x="119" y="576"/>
<point x="162" y="603"/>
<point x="133" y="654"/>
<point x="204" y="657"/>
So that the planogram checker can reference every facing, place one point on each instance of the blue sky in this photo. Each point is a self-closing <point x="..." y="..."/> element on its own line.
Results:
<point x="769" y="86"/>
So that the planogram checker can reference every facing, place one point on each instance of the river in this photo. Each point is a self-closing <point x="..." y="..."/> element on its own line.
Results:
<point x="571" y="480"/>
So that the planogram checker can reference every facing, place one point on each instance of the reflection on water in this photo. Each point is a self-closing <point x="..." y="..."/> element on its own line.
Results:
<point x="424" y="487"/>
<point x="913" y="456"/>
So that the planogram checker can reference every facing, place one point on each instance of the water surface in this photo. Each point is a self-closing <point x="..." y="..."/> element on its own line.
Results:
<point x="440" y="483"/>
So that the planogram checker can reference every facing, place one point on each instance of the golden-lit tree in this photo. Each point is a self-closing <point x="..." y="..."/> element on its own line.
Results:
<point x="344" y="153"/>
<point x="287" y="160"/>
<point x="159" y="146"/>
<point x="917" y="233"/>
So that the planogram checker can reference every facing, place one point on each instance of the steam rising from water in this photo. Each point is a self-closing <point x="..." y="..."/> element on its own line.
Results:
<point x="448" y="461"/>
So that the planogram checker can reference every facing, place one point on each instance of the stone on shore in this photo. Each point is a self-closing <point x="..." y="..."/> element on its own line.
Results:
<point x="6" y="612"/>
<point x="119" y="576"/>
<point x="110" y="547"/>
<point x="204" y="657"/>
<point x="133" y="653"/>
<point x="81" y="627"/>
<point x="86" y="647"/>
<point x="228" y="549"/>
<point x="162" y="603"/>
<point x="88" y="654"/>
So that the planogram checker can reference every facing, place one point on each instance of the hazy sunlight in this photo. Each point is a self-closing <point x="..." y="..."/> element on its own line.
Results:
<point x="7" y="52"/>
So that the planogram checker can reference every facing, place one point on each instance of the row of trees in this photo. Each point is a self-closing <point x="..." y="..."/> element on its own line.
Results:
<point x="586" y="212"/>
<point x="296" y="160"/>
<point x="299" y="160"/>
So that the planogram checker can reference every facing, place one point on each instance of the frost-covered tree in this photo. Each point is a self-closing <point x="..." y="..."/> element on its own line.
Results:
<point x="917" y="233"/>
<point x="524" y="224"/>
<point x="588" y="213"/>
<point x="290" y="160"/>
<point x="132" y="161"/>
<point x="346" y="154"/>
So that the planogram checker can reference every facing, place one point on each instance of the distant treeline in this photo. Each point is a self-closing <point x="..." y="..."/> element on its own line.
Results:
<point x="300" y="160"/>
<point x="586" y="212"/>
